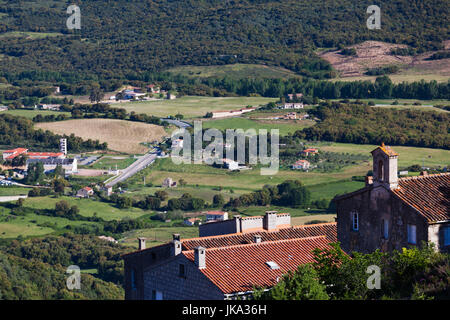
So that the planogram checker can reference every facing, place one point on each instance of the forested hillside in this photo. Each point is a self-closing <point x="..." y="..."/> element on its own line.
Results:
<point x="120" y="39"/>
<point x="30" y="279"/>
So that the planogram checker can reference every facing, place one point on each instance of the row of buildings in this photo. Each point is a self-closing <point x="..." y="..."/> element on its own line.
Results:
<point x="233" y="256"/>
<point x="50" y="160"/>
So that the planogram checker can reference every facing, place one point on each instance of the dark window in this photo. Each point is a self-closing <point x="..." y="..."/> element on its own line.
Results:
<point x="153" y="294"/>
<point x="133" y="279"/>
<point x="380" y="170"/>
<point x="182" y="271"/>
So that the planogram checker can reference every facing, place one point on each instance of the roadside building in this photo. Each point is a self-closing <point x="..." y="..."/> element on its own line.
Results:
<point x="309" y="151"/>
<point x="191" y="221"/>
<point x="169" y="183"/>
<point x="292" y="105"/>
<point x="85" y="192"/>
<point x="216" y="215"/>
<point x="230" y="164"/>
<point x="301" y="164"/>
<point x="11" y="154"/>
<point x="50" y="164"/>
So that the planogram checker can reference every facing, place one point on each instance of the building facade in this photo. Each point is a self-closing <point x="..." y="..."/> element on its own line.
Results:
<point x="390" y="213"/>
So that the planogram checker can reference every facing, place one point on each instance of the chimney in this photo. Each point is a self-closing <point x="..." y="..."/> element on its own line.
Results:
<point x="270" y="220"/>
<point x="176" y="236"/>
<point x="369" y="180"/>
<point x="176" y="247"/>
<point x="424" y="173"/>
<point x="141" y="243"/>
<point x="257" y="238"/>
<point x="237" y="221"/>
<point x="200" y="257"/>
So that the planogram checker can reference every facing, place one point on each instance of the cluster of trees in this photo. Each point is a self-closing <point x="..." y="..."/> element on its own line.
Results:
<point x="414" y="273"/>
<point x="324" y="160"/>
<point x="32" y="279"/>
<point x="185" y="202"/>
<point x="85" y="251"/>
<point x="16" y="131"/>
<point x="362" y="124"/>
<point x="290" y="193"/>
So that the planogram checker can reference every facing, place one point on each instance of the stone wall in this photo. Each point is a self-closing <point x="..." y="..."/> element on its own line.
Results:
<point x="166" y="279"/>
<point x="373" y="204"/>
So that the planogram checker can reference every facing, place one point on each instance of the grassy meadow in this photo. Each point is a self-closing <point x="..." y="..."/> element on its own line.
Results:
<point x="191" y="106"/>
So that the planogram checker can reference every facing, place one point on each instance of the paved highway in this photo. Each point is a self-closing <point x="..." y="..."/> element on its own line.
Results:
<point x="134" y="168"/>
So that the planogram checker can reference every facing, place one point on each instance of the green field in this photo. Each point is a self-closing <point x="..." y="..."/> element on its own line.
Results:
<point x="191" y="106"/>
<point x="107" y="162"/>
<point x="13" y="191"/>
<point x="106" y="211"/>
<point x="407" y="155"/>
<point x="30" y="114"/>
<point x="157" y="236"/>
<point x="234" y="71"/>
<point x="284" y="127"/>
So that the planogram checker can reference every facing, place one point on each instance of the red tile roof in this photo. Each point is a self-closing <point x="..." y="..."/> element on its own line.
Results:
<point x="240" y="268"/>
<point x="429" y="195"/>
<point x="323" y="229"/>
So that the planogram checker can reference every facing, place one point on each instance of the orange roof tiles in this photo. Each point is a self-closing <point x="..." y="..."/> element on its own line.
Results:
<point x="240" y="268"/>
<point x="429" y="195"/>
<point x="327" y="229"/>
<point x="386" y="149"/>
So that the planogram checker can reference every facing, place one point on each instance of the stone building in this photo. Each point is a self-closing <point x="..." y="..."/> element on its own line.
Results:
<point x="270" y="221"/>
<point x="220" y="267"/>
<point x="390" y="212"/>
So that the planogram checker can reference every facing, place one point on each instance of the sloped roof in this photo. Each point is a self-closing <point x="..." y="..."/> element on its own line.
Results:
<point x="242" y="267"/>
<point x="386" y="149"/>
<point x="429" y="195"/>
<point x="323" y="229"/>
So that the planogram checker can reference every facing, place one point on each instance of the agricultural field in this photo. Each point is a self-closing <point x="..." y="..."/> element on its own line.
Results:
<point x="234" y="71"/>
<point x="30" y="114"/>
<point x="192" y="106"/>
<point x="375" y="54"/>
<point x="284" y="126"/>
<point x="88" y="207"/>
<point x="13" y="191"/>
<point x="121" y="135"/>
<point x="407" y="155"/>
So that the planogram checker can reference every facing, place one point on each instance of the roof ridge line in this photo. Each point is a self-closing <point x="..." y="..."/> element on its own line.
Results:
<point x="241" y="245"/>
<point x="424" y="176"/>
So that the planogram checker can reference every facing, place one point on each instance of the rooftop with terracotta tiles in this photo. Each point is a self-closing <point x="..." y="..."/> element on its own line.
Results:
<point x="428" y="194"/>
<point x="240" y="268"/>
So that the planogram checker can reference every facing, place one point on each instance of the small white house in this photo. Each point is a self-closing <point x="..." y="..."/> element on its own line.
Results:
<point x="301" y="164"/>
<point x="216" y="215"/>
<point x="231" y="164"/>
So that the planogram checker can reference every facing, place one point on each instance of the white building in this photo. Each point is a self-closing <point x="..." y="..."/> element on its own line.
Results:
<point x="301" y="164"/>
<point x="216" y="215"/>
<point x="230" y="164"/>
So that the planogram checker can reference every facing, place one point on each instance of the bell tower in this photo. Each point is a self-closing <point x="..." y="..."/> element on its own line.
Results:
<point x="385" y="167"/>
